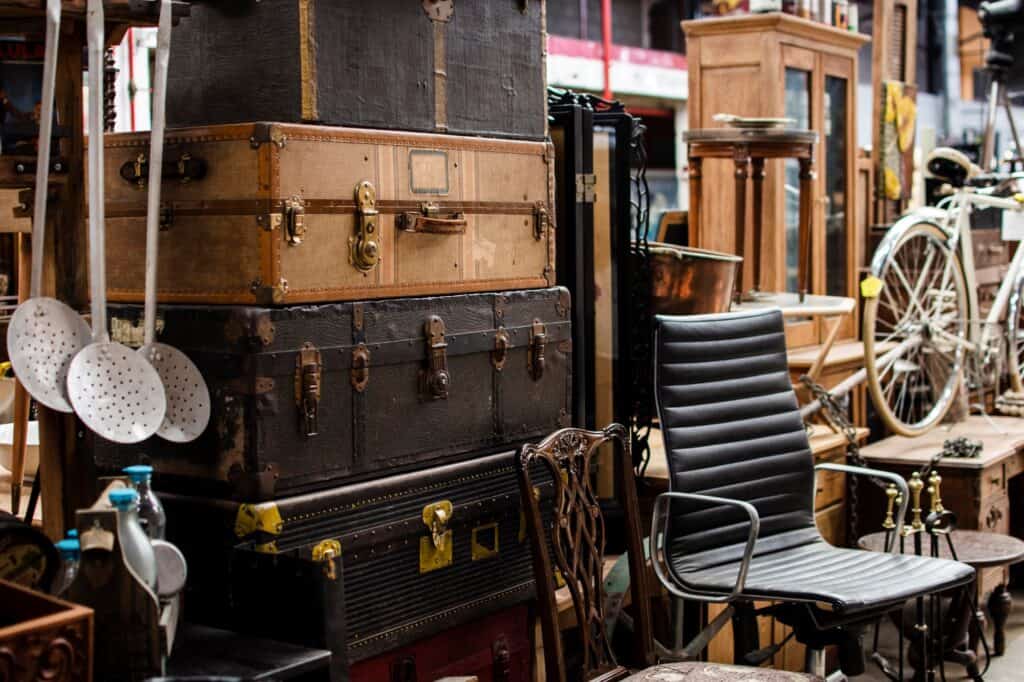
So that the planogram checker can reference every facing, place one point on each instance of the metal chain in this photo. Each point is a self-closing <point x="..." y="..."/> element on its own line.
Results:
<point x="836" y="416"/>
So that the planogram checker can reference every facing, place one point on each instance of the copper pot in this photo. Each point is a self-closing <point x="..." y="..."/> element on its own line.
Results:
<point x="689" y="281"/>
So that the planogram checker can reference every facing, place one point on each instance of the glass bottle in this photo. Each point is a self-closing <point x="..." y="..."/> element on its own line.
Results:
<point x="70" y="552"/>
<point x="151" y="512"/>
<point x="135" y="545"/>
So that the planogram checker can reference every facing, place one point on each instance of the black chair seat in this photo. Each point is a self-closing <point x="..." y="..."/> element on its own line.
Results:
<point x="847" y="580"/>
<point x="695" y="671"/>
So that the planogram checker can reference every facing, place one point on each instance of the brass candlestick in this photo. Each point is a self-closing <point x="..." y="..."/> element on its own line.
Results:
<point x="916" y="485"/>
<point x="891" y="493"/>
<point x="934" y="482"/>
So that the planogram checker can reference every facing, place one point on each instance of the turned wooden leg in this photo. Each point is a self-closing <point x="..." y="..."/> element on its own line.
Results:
<point x="999" y="605"/>
<point x="757" y="177"/>
<point x="742" y="159"/>
<point x="806" y="202"/>
<point x="693" y="222"/>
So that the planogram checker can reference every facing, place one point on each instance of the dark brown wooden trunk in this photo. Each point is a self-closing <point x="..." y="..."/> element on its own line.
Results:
<point x="260" y="445"/>
<point x="263" y="568"/>
<point x="476" y="69"/>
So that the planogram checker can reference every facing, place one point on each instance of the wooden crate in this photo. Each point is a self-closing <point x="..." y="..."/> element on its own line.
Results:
<point x="43" y="638"/>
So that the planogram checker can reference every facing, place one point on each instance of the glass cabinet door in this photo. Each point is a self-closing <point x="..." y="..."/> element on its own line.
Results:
<point x="835" y="180"/>
<point x="798" y="108"/>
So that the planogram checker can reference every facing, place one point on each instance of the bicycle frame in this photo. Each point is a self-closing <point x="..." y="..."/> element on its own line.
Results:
<point x="955" y="222"/>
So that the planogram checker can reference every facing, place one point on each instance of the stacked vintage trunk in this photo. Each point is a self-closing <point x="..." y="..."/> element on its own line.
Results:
<point x="372" y="305"/>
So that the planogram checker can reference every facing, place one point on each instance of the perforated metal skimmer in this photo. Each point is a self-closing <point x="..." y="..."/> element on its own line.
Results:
<point x="188" y="399"/>
<point x="114" y="391"/>
<point x="45" y="334"/>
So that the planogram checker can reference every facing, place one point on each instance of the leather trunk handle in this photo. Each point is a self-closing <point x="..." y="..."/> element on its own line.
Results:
<point x="430" y="220"/>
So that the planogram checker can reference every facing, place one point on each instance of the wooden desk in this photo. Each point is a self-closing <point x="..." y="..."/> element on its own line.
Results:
<point x="748" y="149"/>
<point x="977" y="490"/>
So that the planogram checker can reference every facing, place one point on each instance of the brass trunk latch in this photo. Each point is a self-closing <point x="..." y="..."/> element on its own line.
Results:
<point x="436" y="548"/>
<point x="538" y="339"/>
<point x="360" y="374"/>
<point x="540" y="221"/>
<point x="294" y="220"/>
<point x="436" y="379"/>
<point x="364" y="249"/>
<point x="327" y="552"/>
<point x="307" y="388"/>
<point x="501" y="345"/>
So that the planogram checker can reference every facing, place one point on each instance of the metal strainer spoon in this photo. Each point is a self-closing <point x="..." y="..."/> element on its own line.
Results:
<point x="114" y="391"/>
<point x="45" y="334"/>
<point x="188" y="398"/>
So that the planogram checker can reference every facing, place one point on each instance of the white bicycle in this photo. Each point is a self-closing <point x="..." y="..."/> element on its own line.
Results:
<point x="922" y="325"/>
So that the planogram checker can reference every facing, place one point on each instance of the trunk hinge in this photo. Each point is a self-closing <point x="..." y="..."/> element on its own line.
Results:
<point x="436" y="379"/>
<point x="308" y="373"/>
<point x="585" y="184"/>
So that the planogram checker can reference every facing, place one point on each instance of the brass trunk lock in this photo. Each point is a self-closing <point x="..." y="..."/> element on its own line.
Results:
<point x="360" y="375"/>
<point x="436" y="548"/>
<point x="364" y="249"/>
<point x="501" y="345"/>
<point x="307" y="388"/>
<point x="327" y="552"/>
<point x="538" y="339"/>
<point x="294" y="220"/>
<point x="436" y="378"/>
<point x="540" y="221"/>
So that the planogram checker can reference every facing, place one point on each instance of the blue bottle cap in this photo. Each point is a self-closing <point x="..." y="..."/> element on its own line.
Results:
<point x="69" y="548"/>
<point x="139" y="472"/>
<point x="124" y="498"/>
<point x="73" y="533"/>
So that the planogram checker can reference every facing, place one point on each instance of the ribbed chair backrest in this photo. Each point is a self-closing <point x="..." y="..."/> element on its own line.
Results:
<point x="732" y="428"/>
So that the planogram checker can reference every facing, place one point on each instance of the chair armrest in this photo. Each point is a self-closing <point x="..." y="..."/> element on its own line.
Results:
<point x="901" y="485"/>
<point x="659" y="528"/>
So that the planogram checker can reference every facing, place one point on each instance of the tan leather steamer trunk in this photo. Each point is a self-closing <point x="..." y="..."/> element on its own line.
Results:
<point x="270" y="213"/>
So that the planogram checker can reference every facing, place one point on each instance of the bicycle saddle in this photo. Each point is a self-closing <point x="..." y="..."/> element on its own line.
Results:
<point x="952" y="166"/>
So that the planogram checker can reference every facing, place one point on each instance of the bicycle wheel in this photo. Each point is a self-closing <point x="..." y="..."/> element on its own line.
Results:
<point x="1015" y="338"/>
<point x="923" y="304"/>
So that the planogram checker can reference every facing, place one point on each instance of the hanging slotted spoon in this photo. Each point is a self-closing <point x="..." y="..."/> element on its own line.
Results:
<point x="114" y="391"/>
<point x="45" y="334"/>
<point x="188" y="399"/>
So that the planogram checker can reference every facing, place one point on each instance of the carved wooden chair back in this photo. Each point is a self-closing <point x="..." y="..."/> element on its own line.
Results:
<point x="574" y="544"/>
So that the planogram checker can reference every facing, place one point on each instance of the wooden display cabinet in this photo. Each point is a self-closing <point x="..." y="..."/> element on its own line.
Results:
<point x="778" y="65"/>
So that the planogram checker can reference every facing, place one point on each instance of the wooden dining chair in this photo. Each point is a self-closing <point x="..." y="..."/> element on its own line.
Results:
<point x="574" y="543"/>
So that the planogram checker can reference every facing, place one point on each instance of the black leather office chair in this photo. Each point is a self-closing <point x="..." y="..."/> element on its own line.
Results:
<point x="738" y="524"/>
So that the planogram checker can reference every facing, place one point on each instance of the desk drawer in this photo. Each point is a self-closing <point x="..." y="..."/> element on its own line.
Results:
<point x="993" y="484"/>
<point x="830" y="489"/>
<point x="995" y="515"/>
